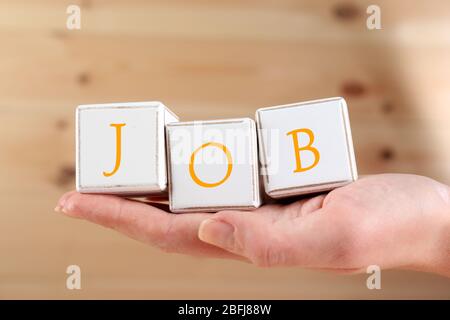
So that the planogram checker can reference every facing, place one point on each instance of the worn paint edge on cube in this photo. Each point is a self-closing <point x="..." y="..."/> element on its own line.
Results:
<point x="349" y="140"/>
<point x="321" y="187"/>
<point x="256" y="194"/>
<point x="312" y="188"/>
<point x="128" y="189"/>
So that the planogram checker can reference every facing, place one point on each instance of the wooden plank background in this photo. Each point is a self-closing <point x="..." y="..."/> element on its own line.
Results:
<point x="206" y="59"/>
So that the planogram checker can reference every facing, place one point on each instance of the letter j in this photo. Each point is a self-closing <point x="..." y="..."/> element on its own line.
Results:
<point x="118" y="127"/>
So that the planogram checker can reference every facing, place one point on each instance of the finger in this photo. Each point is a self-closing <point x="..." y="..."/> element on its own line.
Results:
<point x="170" y="232"/>
<point x="310" y="238"/>
<point x="242" y="233"/>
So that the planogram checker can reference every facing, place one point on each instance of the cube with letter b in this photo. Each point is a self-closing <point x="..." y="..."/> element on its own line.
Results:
<point x="305" y="147"/>
<point x="120" y="148"/>
<point x="213" y="165"/>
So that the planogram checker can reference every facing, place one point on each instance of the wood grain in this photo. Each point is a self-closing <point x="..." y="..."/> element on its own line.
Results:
<point x="206" y="60"/>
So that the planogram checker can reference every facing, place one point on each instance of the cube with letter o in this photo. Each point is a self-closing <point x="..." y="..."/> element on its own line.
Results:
<point x="213" y="165"/>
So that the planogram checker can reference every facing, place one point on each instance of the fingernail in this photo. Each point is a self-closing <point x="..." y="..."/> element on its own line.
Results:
<point x="217" y="233"/>
<point x="61" y="205"/>
<point x="61" y="209"/>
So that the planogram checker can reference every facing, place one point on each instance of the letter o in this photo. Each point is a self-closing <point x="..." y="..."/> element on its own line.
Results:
<point x="229" y="167"/>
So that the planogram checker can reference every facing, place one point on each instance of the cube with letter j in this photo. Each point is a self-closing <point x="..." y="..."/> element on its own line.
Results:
<point x="120" y="148"/>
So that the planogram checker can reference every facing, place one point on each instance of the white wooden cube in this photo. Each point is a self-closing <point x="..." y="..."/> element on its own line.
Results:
<point x="120" y="148"/>
<point x="213" y="165"/>
<point x="305" y="147"/>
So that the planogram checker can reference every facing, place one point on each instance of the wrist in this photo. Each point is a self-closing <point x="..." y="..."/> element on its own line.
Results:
<point x="443" y="246"/>
<point x="433" y="252"/>
<point x="438" y="258"/>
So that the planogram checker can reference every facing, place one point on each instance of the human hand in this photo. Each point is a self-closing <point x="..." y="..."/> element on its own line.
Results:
<point x="389" y="220"/>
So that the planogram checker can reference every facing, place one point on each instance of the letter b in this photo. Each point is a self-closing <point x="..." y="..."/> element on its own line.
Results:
<point x="308" y="147"/>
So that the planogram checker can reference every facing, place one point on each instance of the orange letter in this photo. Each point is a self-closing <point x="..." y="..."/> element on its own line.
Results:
<point x="308" y="147"/>
<point x="118" y="127"/>
<point x="192" y="171"/>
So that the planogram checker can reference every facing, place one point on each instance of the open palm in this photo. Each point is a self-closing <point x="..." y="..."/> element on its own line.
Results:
<point x="389" y="220"/>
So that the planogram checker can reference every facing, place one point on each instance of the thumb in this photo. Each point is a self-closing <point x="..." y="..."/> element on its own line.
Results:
<point x="242" y="233"/>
